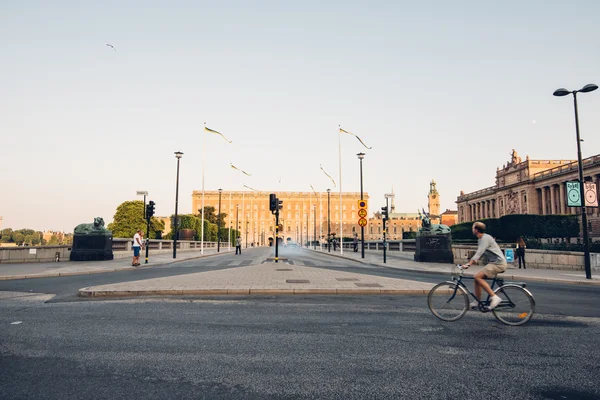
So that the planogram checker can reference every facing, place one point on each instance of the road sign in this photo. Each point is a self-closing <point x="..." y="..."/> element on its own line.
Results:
<point x="362" y="213"/>
<point x="362" y="204"/>
<point x="573" y="194"/>
<point x="591" y="197"/>
<point x="509" y="255"/>
<point x="362" y="222"/>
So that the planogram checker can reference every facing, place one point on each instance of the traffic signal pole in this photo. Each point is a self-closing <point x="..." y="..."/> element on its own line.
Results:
<point x="277" y="235"/>
<point x="385" y="217"/>
<point x="148" y="212"/>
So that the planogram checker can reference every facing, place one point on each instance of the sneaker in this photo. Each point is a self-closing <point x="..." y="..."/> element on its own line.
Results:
<point x="494" y="301"/>
<point x="474" y="305"/>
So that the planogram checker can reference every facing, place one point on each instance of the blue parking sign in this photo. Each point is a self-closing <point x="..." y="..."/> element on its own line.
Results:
<point x="509" y="254"/>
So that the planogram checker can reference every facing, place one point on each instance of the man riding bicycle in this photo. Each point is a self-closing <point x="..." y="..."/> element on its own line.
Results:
<point x="496" y="264"/>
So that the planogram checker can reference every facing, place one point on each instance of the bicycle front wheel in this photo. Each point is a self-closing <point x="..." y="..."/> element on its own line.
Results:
<point x="517" y="306"/>
<point x="448" y="301"/>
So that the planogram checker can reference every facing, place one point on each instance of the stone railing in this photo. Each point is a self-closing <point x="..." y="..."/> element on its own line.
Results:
<point x="479" y="193"/>
<point x="121" y="248"/>
<point x="565" y="168"/>
<point x="393" y="245"/>
<point x="535" y="258"/>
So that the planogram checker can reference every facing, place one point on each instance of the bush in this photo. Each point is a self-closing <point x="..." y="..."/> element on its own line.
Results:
<point x="510" y="227"/>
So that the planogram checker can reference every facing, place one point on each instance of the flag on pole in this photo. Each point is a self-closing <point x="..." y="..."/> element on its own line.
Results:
<point x="246" y="186"/>
<point x="329" y="176"/>
<point x="216" y="133"/>
<point x="242" y="171"/>
<point x="356" y="136"/>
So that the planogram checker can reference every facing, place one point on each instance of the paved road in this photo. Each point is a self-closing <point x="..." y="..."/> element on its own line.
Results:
<point x="288" y="347"/>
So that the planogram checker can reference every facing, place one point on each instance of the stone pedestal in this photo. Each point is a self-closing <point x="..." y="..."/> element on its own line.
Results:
<point x="92" y="247"/>
<point x="434" y="248"/>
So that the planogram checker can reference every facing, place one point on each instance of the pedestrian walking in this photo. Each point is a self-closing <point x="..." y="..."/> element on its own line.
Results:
<point x="334" y="244"/>
<point x="238" y="245"/>
<point x="521" y="252"/>
<point x="356" y="242"/>
<point x="137" y="247"/>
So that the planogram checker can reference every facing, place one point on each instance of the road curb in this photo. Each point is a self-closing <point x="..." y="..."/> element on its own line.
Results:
<point x="86" y="292"/>
<point x="103" y="271"/>
<point x="512" y="277"/>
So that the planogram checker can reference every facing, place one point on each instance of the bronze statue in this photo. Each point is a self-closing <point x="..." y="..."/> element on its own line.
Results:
<point x="97" y="228"/>
<point x="428" y="229"/>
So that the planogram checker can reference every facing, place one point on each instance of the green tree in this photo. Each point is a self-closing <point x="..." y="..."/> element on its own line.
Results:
<point x="18" y="238"/>
<point x="53" y="240"/>
<point x="28" y="240"/>
<point x="129" y="217"/>
<point x="6" y="235"/>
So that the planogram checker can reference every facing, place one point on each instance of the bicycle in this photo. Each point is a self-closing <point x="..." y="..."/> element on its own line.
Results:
<point x="449" y="300"/>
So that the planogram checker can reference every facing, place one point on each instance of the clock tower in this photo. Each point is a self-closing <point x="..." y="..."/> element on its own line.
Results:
<point x="433" y="203"/>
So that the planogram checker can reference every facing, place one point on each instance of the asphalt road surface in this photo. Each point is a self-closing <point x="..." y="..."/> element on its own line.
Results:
<point x="304" y="347"/>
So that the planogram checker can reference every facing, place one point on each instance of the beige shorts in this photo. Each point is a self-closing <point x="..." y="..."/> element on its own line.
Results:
<point x="491" y="270"/>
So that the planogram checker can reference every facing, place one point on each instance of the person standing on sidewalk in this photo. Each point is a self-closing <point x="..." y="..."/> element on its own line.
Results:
<point x="238" y="245"/>
<point x="521" y="252"/>
<point x="356" y="242"/>
<point x="137" y="246"/>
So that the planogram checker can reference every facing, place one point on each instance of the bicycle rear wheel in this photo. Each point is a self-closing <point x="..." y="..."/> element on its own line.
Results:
<point x="448" y="301"/>
<point x="517" y="306"/>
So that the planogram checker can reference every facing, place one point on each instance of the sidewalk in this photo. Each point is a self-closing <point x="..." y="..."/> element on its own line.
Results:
<point x="263" y="279"/>
<point x="404" y="261"/>
<point x="69" y="268"/>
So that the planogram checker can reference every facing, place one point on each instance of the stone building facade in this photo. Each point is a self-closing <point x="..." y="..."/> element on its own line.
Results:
<point x="529" y="187"/>
<point x="251" y="210"/>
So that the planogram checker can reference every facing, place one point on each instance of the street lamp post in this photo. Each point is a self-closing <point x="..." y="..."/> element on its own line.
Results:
<point x="219" y="224"/>
<point x="586" y="246"/>
<point x="361" y="156"/>
<point x="178" y="155"/>
<point x="237" y="223"/>
<point x="315" y="227"/>
<point x="307" y="228"/>
<point x="328" y="220"/>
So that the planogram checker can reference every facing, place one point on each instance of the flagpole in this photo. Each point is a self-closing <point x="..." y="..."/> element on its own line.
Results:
<point x="202" y="227"/>
<point x="321" y="220"/>
<point x="243" y="213"/>
<point x="229" y="247"/>
<point x="341" y="221"/>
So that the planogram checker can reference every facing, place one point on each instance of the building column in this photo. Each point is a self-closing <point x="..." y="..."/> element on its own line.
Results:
<point x="563" y="199"/>
<point x="543" y="210"/>
<point x="552" y="199"/>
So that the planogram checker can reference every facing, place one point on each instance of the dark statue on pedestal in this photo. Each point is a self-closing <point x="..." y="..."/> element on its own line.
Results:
<point x="433" y="241"/>
<point x="92" y="242"/>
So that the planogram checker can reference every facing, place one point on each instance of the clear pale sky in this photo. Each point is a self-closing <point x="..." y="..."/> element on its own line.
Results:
<point x="441" y="90"/>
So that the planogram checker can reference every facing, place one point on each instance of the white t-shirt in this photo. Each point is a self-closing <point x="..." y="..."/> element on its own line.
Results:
<point x="137" y="237"/>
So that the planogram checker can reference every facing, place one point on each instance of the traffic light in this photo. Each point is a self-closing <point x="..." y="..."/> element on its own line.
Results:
<point x="280" y="204"/>
<point x="150" y="209"/>
<point x="384" y="212"/>
<point x="272" y="202"/>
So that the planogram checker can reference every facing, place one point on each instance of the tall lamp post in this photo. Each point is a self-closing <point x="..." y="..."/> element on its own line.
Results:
<point x="328" y="220"/>
<point x="219" y="224"/>
<point x="361" y="156"/>
<point x="315" y="227"/>
<point x="586" y="246"/>
<point x="237" y="223"/>
<point x="178" y="155"/>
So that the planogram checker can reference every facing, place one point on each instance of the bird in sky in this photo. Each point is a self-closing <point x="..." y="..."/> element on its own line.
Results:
<point x="110" y="45"/>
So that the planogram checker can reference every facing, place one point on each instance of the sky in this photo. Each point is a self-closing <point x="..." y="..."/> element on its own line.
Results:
<point x="439" y="90"/>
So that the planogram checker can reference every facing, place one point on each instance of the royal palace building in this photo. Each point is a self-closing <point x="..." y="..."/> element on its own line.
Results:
<point x="303" y="213"/>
